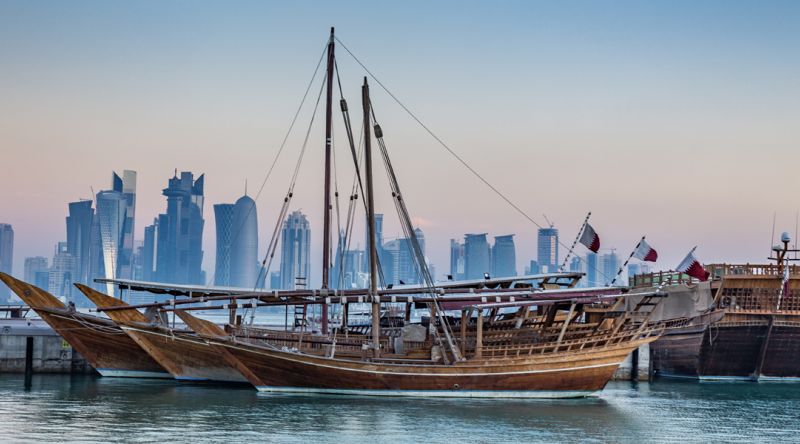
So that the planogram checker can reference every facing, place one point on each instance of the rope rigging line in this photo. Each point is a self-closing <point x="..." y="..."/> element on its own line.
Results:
<point x="280" y="150"/>
<point x="451" y="151"/>
<point x="418" y="255"/>
<point x="266" y="263"/>
<point x="356" y="154"/>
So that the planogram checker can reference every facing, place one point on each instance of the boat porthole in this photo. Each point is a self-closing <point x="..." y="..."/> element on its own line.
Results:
<point x="456" y="387"/>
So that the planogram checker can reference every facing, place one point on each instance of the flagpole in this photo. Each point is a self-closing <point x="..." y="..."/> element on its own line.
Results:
<point x="575" y="242"/>
<point x="619" y="272"/>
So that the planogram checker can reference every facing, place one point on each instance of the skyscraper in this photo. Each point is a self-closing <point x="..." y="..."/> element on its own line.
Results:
<point x="609" y="264"/>
<point x="295" y="250"/>
<point x="149" y="251"/>
<point x="244" y="244"/>
<point x="179" y="255"/>
<point x="109" y="226"/>
<point x="6" y="255"/>
<point x="79" y="239"/>
<point x="61" y="274"/>
<point x="476" y="256"/>
<point x="456" y="259"/>
<point x="37" y="272"/>
<point x="504" y="256"/>
<point x="126" y="185"/>
<point x="547" y="249"/>
<point x="591" y="270"/>
<point x="35" y="265"/>
<point x="223" y="218"/>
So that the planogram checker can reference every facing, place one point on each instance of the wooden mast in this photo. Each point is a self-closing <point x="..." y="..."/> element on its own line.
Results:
<point x="373" y="250"/>
<point x="326" y="233"/>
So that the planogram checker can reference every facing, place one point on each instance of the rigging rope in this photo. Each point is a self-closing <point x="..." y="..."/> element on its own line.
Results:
<point x="418" y="255"/>
<point x="453" y="153"/>
<point x="280" y="149"/>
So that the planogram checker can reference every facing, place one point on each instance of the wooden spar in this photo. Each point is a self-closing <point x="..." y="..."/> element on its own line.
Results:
<point x="505" y="302"/>
<point x="479" y="336"/>
<point x="458" y="295"/>
<point x="464" y="320"/>
<point x="326" y="233"/>
<point x="575" y="242"/>
<point x="373" y="250"/>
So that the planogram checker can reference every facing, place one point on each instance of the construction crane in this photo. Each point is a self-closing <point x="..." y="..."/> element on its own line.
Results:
<point x="549" y="222"/>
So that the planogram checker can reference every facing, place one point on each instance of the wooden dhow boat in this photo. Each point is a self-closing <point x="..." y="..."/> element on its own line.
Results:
<point x="551" y="353"/>
<point x="753" y="329"/>
<point x="182" y="353"/>
<point x="104" y="345"/>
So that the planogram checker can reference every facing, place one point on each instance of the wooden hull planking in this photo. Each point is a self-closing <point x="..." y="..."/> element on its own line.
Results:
<point x="104" y="345"/>
<point x="186" y="356"/>
<point x="570" y="374"/>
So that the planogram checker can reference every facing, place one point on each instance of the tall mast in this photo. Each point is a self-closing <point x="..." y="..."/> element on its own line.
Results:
<point x="326" y="234"/>
<point x="373" y="249"/>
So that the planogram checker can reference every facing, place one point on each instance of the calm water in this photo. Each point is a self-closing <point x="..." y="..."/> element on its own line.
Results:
<point x="89" y="409"/>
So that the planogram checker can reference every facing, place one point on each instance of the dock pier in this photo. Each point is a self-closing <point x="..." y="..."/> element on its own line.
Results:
<point x="29" y="345"/>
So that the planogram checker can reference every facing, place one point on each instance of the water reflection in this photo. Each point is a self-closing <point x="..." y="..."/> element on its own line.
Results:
<point x="92" y="409"/>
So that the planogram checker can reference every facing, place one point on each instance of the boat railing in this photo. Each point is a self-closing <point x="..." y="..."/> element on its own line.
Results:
<point x="566" y="345"/>
<point x="720" y="270"/>
<point x="660" y="278"/>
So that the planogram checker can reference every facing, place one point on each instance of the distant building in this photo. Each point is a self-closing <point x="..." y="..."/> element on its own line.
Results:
<point x="109" y="226"/>
<point x="37" y="272"/>
<point x="576" y="265"/>
<point x="223" y="218"/>
<point x="60" y="282"/>
<point x="79" y="239"/>
<point x="138" y="260"/>
<point x="457" y="259"/>
<point x="149" y="252"/>
<point x="295" y="250"/>
<point x="179" y="246"/>
<point x="6" y="256"/>
<point x="592" y="274"/>
<point x="34" y="265"/>
<point x="244" y="244"/>
<point x="532" y="268"/>
<point x="547" y="250"/>
<point x="476" y="256"/>
<point x="126" y="185"/>
<point x="275" y="280"/>
<point x="350" y="275"/>
<point x="609" y="264"/>
<point x="504" y="256"/>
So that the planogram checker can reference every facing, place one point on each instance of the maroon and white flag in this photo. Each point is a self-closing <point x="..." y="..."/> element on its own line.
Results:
<point x="590" y="238"/>
<point x="693" y="267"/>
<point x="645" y="252"/>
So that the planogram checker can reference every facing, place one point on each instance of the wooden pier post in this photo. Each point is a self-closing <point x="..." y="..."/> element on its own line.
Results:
<point x="28" y="361"/>
<point x="479" y="336"/>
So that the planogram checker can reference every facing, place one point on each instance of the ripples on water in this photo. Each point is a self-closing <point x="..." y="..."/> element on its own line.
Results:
<point x="87" y="409"/>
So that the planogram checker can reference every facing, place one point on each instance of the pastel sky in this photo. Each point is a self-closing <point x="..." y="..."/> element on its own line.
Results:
<point x="674" y="119"/>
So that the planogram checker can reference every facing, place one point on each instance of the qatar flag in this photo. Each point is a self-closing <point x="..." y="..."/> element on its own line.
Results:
<point x="590" y="238"/>
<point x="693" y="268"/>
<point x="645" y="252"/>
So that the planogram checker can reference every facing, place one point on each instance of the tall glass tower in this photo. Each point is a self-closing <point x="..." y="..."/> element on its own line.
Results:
<point x="295" y="250"/>
<point x="476" y="256"/>
<point x="244" y="244"/>
<point x="547" y="249"/>
<point x="79" y="239"/>
<point x="504" y="256"/>
<point x="6" y="256"/>
<point x="223" y="218"/>
<point x="179" y="255"/>
<point x="109" y="232"/>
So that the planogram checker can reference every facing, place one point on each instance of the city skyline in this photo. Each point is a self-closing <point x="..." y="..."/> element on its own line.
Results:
<point x="600" y="109"/>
